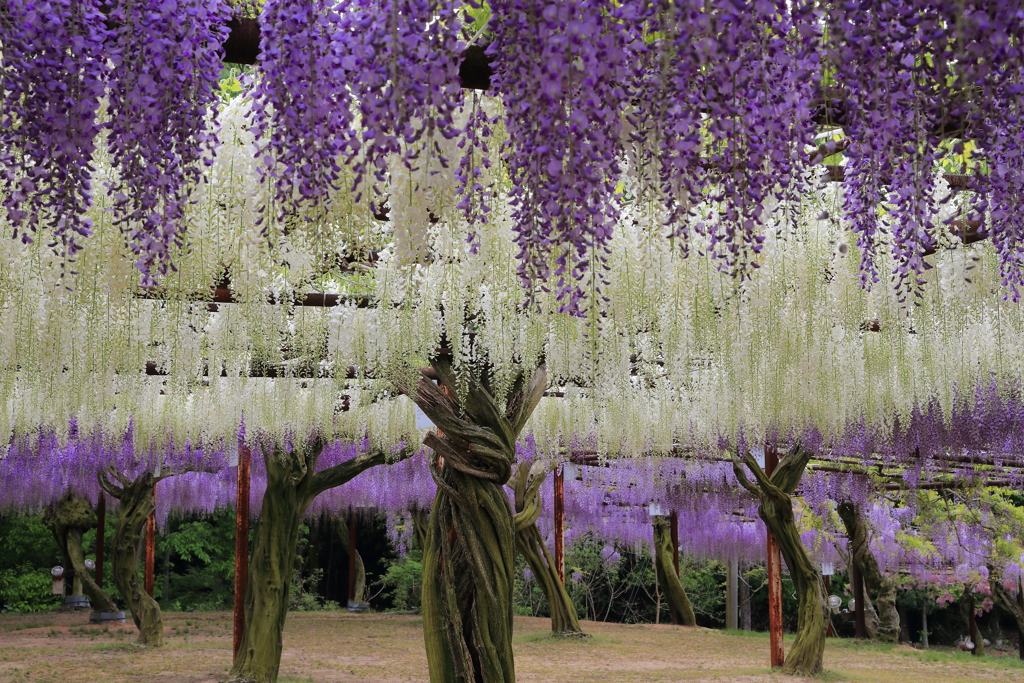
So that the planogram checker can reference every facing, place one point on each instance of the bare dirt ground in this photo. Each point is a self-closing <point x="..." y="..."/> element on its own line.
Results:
<point x="380" y="648"/>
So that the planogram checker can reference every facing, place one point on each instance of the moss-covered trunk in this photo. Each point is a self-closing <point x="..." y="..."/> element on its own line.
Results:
<point x="776" y="509"/>
<point x="136" y="505"/>
<point x="469" y="560"/>
<point x="668" y="578"/>
<point x="531" y="546"/>
<point x="1004" y="599"/>
<point x="886" y="626"/>
<point x="292" y="484"/>
<point x="420" y="528"/>
<point x="970" y="622"/>
<point x="271" y="563"/>
<point x="68" y="519"/>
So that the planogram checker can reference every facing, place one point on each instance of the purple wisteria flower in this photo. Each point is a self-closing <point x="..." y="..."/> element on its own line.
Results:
<point x="54" y="74"/>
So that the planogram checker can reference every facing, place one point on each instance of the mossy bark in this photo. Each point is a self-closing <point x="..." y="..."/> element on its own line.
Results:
<point x="776" y="509"/>
<point x="668" y="578"/>
<point x="292" y="484"/>
<point x="420" y="528"/>
<point x="469" y="559"/>
<point x="68" y="519"/>
<point x="136" y="505"/>
<point x="531" y="546"/>
<point x="886" y="626"/>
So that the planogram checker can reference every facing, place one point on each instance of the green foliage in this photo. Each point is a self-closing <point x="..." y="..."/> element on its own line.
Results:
<point x="403" y="580"/>
<point x="27" y="552"/>
<point x="24" y="539"/>
<point x="303" y="593"/>
<point x="201" y="562"/>
<point x="704" y="583"/>
<point x="26" y="589"/>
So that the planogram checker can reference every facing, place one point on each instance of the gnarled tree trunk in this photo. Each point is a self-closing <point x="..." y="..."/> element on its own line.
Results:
<point x="776" y="509"/>
<point x="967" y="612"/>
<point x="886" y="626"/>
<point x="292" y="484"/>
<point x="420" y="528"/>
<point x="668" y="579"/>
<point x="1004" y="599"/>
<point x="531" y="546"/>
<point x="469" y="559"/>
<point x="136" y="505"/>
<point x="68" y="519"/>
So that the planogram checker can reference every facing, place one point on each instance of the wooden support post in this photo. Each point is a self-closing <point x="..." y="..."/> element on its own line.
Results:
<point x="241" y="542"/>
<point x="774" y="567"/>
<point x="101" y="520"/>
<point x="351" y="557"/>
<point x="831" y="632"/>
<point x="559" y="505"/>
<point x="1020" y="632"/>
<point x="151" y="547"/>
<point x="731" y="601"/>
<point x="860" y="626"/>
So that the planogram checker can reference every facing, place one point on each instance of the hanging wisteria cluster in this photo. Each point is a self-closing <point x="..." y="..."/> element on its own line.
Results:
<point x="561" y="69"/>
<point x="166" y="58"/>
<point x="154" y="65"/>
<point x="357" y="82"/>
<point x="53" y="76"/>
<point x="697" y="122"/>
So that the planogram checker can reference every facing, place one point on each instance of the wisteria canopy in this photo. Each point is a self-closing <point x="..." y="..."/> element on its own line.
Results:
<point x="713" y="225"/>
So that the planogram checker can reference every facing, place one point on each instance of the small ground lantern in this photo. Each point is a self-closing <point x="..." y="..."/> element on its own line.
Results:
<point x="58" y="580"/>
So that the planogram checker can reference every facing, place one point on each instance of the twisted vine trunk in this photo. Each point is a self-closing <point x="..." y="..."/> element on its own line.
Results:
<point x="420" y="528"/>
<point x="136" y="505"/>
<point x="776" y="509"/>
<point x="886" y="626"/>
<point x="1006" y="601"/>
<point x="68" y="519"/>
<point x="531" y="546"/>
<point x="967" y="612"/>
<point x="292" y="484"/>
<point x="271" y="562"/>
<point x="469" y="559"/>
<point x="668" y="578"/>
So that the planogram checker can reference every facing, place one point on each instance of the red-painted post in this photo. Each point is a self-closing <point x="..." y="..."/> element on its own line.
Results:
<point x="771" y="460"/>
<point x="559" y="496"/>
<point x="101" y="521"/>
<point x="241" y="542"/>
<point x="151" y="546"/>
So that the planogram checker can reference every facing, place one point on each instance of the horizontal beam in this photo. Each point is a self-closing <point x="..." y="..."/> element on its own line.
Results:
<point x="223" y="295"/>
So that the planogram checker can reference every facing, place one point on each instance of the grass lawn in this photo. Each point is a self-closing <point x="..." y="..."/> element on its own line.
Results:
<point x="379" y="648"/>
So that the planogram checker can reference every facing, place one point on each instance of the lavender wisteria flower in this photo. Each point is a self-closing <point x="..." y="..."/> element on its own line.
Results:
<point x="53" y="75"/>
<point x="561" y="70"/>
<point x="358" y="82"/>
<point x="166" y="57"/>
